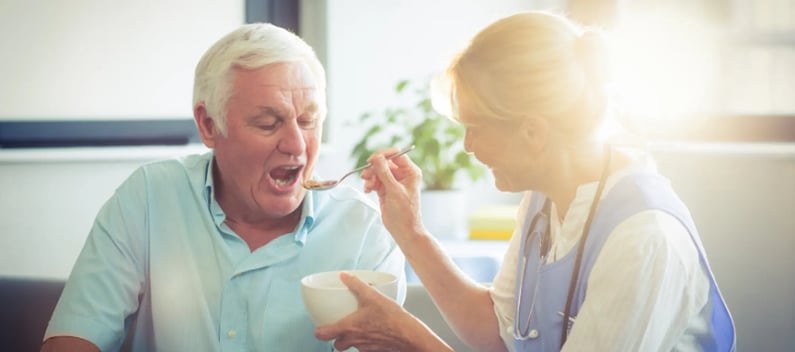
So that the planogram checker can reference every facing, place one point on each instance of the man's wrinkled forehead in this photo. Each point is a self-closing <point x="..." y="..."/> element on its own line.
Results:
<point x="306" y="89"/>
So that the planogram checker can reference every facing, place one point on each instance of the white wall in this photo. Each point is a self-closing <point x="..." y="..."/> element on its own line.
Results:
<point x="100" y="59"/>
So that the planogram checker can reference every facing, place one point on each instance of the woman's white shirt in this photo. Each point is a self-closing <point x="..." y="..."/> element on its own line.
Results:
<point x="647" y="290"/>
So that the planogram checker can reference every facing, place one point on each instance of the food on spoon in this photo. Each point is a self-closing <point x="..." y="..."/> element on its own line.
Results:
<point x="312" y="184"/>
<point x="321" y="185"/>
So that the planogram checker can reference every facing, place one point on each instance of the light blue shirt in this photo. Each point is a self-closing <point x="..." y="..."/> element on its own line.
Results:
<point x="159" y="246"/>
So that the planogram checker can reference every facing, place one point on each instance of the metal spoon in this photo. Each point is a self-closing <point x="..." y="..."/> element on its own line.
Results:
<point x="313" y="185"/>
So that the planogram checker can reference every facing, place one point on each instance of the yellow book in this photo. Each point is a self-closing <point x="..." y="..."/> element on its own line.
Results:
<point x="492" y="222"/>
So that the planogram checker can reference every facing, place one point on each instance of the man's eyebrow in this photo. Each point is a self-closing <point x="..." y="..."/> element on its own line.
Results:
<point x="264" y="112"/>
<point x="311" y="108"/>
<point x="269" y="110"/>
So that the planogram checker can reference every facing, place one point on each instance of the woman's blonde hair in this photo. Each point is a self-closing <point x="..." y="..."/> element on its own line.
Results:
<point x="534" y="63"/>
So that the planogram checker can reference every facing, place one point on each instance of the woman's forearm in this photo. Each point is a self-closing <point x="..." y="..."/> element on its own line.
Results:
<point x="423" y="339"/>
<point x="466" y="305"/>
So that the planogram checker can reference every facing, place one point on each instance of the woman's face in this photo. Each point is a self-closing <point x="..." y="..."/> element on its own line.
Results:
<point x="501" y="145"/>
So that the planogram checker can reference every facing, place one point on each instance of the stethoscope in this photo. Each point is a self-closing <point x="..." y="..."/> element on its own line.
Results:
<point x="541" y="220"/>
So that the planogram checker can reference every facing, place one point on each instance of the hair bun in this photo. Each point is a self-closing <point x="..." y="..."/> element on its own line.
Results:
<point x="591" y="49"/>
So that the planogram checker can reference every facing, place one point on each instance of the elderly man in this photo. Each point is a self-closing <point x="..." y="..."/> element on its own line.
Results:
<point x="205" y="252"/>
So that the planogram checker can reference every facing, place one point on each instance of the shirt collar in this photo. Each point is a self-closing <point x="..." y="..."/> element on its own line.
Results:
<point x="209" y="193"/>
<point x="302" y="228"/>
<point x="307" y="218"/>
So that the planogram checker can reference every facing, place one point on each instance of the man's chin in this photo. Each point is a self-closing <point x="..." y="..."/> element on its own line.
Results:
<point x="283" y="204"/>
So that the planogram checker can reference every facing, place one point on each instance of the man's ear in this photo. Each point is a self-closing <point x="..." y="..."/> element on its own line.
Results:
<point x="208" y="131"/>
<point x="535" y="131"/>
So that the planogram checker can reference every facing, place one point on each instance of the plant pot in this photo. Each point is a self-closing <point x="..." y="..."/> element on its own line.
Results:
<point x="444" y="214"/>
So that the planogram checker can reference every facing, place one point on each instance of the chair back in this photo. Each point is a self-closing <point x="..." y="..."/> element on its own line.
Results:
<point x="26" y="305"/>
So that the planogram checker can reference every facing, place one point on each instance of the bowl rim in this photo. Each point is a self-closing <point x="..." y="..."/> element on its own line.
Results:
<point x="305" y="280"/>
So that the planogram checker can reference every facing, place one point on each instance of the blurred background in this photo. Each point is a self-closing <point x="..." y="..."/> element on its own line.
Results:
<point x="91" y="89"/>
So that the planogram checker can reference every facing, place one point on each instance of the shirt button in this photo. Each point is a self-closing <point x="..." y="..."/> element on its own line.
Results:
<point x="533" y="334"/>
<point x="232" y="334"/>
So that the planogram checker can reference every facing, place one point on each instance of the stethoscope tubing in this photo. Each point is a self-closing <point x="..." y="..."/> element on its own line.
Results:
<point x="518" y="332"/>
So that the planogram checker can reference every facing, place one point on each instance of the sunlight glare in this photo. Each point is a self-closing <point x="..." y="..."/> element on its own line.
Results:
<point x="441" y="100"/>
<point x="665" y="69"/>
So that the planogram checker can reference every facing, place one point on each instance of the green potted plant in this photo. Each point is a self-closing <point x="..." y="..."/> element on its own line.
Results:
<point x="439" y="141"/>
<point x="439" y="153"/>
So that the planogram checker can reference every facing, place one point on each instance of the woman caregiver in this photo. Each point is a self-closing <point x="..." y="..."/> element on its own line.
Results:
<point x="605" y="257"/>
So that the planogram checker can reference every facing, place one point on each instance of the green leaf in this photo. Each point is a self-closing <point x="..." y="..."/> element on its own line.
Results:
<point x="396" y="141"/>
<point x="364" y="117"/>
<point x="463" y="159"/>
<point x="359" y="148"/>
<point x="401" y="85"/>
<point x="439" y="141"/>
<point x="372" y="131"/>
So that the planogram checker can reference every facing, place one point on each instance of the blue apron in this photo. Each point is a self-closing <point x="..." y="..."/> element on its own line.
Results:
<point x="631" y="195"/>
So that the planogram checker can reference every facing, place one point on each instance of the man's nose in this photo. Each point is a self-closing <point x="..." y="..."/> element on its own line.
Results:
<point x="292" y="139"/>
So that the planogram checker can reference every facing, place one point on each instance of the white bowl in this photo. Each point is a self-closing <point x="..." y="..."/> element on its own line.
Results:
<point x="327" y="299"/>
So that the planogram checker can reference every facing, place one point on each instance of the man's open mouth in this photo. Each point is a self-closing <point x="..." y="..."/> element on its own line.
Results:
<point x="285" y="175"/>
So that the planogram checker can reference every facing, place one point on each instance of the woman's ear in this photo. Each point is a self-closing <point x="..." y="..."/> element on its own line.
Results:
<point x="208" y="131"/>
<point x="535" y="131"/>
